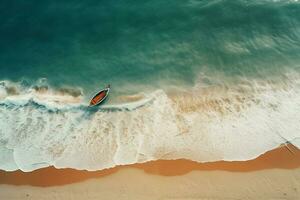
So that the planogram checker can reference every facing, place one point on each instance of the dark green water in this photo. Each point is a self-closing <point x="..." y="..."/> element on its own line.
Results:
<point x="146" y="43"/>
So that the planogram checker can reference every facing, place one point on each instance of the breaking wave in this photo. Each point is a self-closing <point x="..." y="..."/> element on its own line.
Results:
<point x="41" y="127"/>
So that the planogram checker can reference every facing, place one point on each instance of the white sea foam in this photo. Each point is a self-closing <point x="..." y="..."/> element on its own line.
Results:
<point x="206" y="123"/>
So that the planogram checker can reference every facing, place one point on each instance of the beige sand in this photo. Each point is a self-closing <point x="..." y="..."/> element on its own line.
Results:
<point x="132" y="183"/>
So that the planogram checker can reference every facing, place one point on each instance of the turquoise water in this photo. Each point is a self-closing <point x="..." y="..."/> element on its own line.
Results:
<point x="145" y="43"/>
<point x="204" y="80"/>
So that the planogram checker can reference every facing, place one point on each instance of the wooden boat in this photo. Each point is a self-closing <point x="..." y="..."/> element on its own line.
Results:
<point x="99" y="97"/>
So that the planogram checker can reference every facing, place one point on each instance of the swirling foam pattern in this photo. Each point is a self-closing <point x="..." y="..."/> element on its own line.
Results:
<point x="236" y="122"/>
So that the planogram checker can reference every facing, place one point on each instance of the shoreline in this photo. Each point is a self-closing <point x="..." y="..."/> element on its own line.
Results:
<point x="279" y="158"/>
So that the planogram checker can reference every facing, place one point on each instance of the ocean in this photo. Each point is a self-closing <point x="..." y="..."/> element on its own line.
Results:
<point x="204" y="80"/>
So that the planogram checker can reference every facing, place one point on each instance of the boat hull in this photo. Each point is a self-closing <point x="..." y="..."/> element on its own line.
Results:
<point x="99" y="97"/>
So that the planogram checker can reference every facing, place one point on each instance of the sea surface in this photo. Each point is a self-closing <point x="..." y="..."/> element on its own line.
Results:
<point x="204" y="80"/>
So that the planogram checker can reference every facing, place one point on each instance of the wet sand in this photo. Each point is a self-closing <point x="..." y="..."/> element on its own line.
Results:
<point x="274" y="175"/>
<point x="280" y="158"/>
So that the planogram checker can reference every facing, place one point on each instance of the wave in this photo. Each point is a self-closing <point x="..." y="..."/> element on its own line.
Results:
<point x="208" y="122"/>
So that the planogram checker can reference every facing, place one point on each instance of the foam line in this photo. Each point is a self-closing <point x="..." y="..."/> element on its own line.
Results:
<point x="203" y="124"/>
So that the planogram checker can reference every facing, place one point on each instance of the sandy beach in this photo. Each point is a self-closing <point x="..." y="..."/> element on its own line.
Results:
<point x="150" y="100"/>
<point x="274" y="175"/>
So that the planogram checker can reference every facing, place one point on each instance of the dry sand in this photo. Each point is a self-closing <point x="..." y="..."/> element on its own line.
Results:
<point x="274" y="175"/>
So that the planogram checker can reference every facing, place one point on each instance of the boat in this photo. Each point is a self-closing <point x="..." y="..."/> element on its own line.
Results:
<point x="99" y="97"/>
